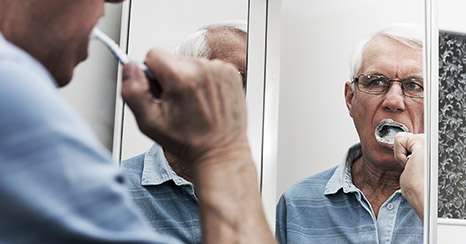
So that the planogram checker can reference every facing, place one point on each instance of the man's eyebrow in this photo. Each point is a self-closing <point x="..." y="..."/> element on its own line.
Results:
<point x="407" y="75"/>
<point x="415" y="75"/>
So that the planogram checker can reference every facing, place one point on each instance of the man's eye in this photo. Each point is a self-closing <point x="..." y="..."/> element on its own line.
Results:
<point x="376" y="82"/>
<point x="411" y="85"/>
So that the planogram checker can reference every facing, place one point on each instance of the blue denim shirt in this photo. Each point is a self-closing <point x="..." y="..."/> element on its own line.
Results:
<point x="57" y="183"/>
<point x="328" y="208"/>
<point x="167" y="200"/>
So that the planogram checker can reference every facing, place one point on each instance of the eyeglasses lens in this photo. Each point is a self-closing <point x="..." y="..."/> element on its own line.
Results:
<point x="379" y="84"/>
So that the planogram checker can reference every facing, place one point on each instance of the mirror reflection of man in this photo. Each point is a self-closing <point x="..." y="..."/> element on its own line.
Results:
<point x="360" y="200"/>
<point x="157" y="181"/>
<point x="59" y="185"/>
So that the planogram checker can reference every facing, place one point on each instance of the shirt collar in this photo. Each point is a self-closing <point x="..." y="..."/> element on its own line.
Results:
<point x="156" y="169"/>
<point x="341" y="179"/>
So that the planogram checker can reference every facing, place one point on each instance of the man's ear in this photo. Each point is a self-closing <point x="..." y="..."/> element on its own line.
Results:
<point x="349" y="93"/>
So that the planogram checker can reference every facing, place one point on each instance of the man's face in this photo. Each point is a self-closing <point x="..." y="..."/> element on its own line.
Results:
<point x="58" y="33"/>
<point x="396" y="61"/>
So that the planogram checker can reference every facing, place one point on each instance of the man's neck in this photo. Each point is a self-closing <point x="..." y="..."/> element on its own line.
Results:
<point x="376" y="183"/>
<point x="13" y="17"/>
<point x="177" y="167"/>
<point x="5" y="12"/>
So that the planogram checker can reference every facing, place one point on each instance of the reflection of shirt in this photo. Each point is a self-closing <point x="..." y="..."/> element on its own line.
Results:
<point x="57" y="183"/>
<point x="328" y="208"/>
<point x="167" y="200"/>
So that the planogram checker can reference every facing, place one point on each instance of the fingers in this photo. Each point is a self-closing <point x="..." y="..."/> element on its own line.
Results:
<point x="164" y="67"/>
<point x="202" y="108"/>
<point x="412" y="177"/>
<point x="407" y="144"/>
<point x="400" y="148"/>
<point x="175" y="73"/>
<point x="136" y="94"/>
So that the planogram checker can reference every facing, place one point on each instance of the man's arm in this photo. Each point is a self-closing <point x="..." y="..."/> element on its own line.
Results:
<point x="412" y="178"/>
<point x="202" y="120"/>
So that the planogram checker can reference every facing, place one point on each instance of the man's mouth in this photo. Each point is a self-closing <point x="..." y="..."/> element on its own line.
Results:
<point x="386" y="131"/>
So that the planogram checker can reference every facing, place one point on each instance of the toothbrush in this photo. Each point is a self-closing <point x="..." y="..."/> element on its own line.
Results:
<point x="123" y="58"/>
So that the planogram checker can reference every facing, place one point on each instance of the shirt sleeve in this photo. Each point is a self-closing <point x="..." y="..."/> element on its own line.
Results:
<point x="57" y="183"/>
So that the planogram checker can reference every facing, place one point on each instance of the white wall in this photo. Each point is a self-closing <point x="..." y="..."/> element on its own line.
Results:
<point x="93" y="88"/>
<point x="318" y="37"/>
<point x="451" y="15"/>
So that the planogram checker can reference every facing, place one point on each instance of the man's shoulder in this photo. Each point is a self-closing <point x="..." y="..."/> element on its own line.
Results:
<point x="312" y="185"/>
<point x="35" y="108"/>
<point x="20" y="70"/>
<point x="13" y="59"/>
<point x="9" y="51"/>
<point x="23" y="78"/>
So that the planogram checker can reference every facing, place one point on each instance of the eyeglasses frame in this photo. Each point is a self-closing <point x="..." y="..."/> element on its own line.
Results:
<point x="356" y="80"/>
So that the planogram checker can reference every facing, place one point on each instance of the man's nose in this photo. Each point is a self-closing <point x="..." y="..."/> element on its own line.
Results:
<point x="394" y="98"/>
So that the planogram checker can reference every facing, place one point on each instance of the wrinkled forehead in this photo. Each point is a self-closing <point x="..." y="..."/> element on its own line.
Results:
<point x="391" y="57"/>
<point x="381" y="44"/>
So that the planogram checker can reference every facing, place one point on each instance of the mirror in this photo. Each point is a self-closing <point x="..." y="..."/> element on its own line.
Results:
<point x="317" y="40"/>
<point x="151" y="25"/>
<point x="155" y="181"/>
<point x="451" y="202"/>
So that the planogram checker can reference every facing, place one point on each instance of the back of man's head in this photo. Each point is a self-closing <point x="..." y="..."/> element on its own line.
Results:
<point x="197" y="45"/>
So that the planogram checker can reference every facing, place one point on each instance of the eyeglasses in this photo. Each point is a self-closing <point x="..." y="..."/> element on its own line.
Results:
<point x="380" y="84"/>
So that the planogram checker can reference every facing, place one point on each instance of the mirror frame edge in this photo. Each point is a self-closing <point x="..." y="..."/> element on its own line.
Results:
<point x="431" y="121"/>
<point x="271" y="109"/>
<point x="119" y="103"/>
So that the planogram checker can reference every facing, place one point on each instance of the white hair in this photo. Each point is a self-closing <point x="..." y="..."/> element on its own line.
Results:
<point x="408" y="34"/>
<point x="195" y="45"/>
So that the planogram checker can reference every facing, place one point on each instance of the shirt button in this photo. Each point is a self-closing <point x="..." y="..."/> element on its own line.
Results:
<point x="390" y="206"/>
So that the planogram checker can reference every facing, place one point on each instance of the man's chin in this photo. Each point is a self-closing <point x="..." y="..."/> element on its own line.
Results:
<point x="84" y="55"/>
<point x="63" y="78"/>
<point x="386" y="159"/>
<point x="386" y="145"/>
<point x="64" y="75"/>
<point x="381" y="154"/>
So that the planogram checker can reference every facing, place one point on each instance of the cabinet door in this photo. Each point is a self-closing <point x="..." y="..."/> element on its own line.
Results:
<point x="450" y="170"/>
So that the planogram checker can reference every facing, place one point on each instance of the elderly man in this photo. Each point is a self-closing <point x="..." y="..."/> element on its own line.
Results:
<point x="157" y="181"/>
<point x="360" y="200"/>
<point x="57" y="183"/>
